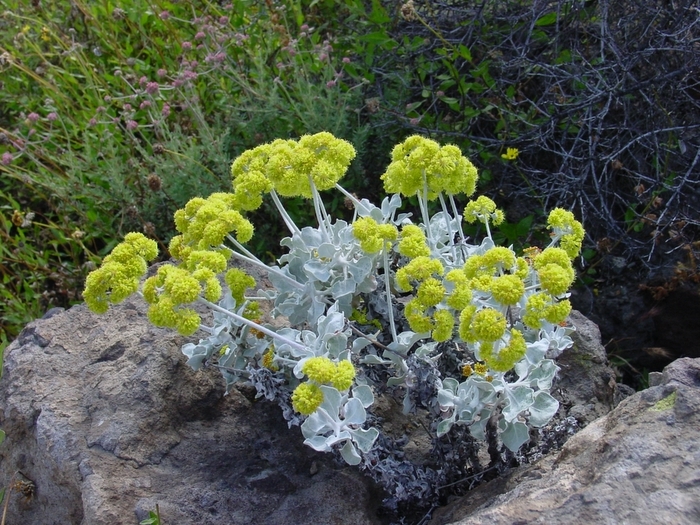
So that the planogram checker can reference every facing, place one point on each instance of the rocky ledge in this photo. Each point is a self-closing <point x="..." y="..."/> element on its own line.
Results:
<point x="105" y="419"/>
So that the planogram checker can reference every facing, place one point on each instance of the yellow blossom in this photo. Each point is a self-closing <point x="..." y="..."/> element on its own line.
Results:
<point x="511" y="154"/>
<point x="306" y="398"/>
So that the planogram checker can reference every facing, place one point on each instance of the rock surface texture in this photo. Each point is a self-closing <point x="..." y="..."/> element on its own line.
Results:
<point x="107" y="420"/>
<point x="637" y="465"/>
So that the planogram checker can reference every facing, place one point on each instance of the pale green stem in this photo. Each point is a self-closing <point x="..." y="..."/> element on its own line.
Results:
<point x="423" y="204"/>
<point x="291" y="226"/>
<point x="253" y="324"/>
<point x="554" y="240"/>
<point x="458" y="217"/>
<point x="387" y="286"/>
<point x="449" y="227"/>
<point x="321" y="215"/>
<point x="243" y="249"/>
<point x="354" y="199"/>
<point x="488" y="230"/>
<point x="249" y="257"/>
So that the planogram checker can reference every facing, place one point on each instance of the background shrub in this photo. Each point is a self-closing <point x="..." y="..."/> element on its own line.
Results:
<point x="111" y="118"/>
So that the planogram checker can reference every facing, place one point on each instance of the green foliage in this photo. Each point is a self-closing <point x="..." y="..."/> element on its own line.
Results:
<point x="113" y="117"/>
<point x="153" y="518"/>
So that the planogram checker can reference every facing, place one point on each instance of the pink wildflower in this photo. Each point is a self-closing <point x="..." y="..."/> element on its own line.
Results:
<point x="7" y="158"/>
<point x="131" y="125"/>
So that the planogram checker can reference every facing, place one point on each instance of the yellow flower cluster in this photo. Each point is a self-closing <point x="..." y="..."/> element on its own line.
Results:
<point x="118" y="276"/>
<point x="567" y="229"/>
<point x="307" y="397"/>
<point x="372" y="235"/>
<point x="484" y="210"/>
<point x="554" y="270"/>
<point x="461" y="294"/>
<point x="413" y="242"/>
<point x="167" y="290"/>
<point x="429" y="293"/>
<point x="541" y="306"/>
<point x="288" y="166"/>
<point x="486" y="325"/>
<point x="418" y="269"/>
<point x="421" y="165"/>
<point x="324" y="371"/>
<point x="204" y="223"/>
<point x="238" y="282"/>
<point x="268" y="359"/>
<point x="499" y="272"/>
<point x="443" y="327"/>
<point x="507" y="356"/>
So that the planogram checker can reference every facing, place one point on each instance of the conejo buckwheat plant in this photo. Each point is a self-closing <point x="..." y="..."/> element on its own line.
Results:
<point x="385" y="305"/>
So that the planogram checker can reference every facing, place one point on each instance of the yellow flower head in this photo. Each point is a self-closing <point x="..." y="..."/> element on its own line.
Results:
<point x="413" y="242"/>
<point x="484" y="210"/>
<point x="344" y="375"/>
<point x="567" y="229"/>
<point x="372" y="235"/>
<point x="418" y="269"/>
<point x="118" y="276"/>
<point x="554" y="270"/>
<point x="444" y="325"/>
<point x="542" y="306"/>
<point x="507" y="289"/>
<point x="268" y="360"/>
<point x="319" y="369"/>
<point x="488" y="325"/>
<point x="419" y="165"/>
<point x="238" y="282"/>
<point x="306" y="398"/>
<point x="511" y="154"/>
<point x="481" y="369"/>
<point x="507" y="356"/>
<point x="204" y="223"/>
<point x="460" y="297"/>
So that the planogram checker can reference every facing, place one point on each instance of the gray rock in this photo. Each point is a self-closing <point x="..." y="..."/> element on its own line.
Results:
<point x="105" y="418"/>
<point x="637" y="465"/>
<point x="586" y="384"/>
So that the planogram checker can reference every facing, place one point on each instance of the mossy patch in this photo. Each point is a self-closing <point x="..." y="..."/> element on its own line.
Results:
<point x="666" y="403"/>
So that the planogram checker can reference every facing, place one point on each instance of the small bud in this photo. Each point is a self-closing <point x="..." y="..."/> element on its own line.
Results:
<point x="155" y="182"/>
